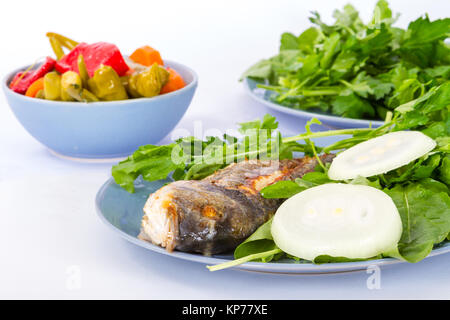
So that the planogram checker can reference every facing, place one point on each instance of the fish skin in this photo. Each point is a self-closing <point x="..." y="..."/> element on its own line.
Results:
<point x="217" y="213"/>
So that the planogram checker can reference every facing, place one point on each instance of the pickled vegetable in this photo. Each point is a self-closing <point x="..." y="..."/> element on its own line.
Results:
<point x="52" y="86"/>
<point x="175" y="82"/>
<point x="40" y="94"/>
<point x="35" y="87"/>
<point x="146" y="56"/>
<point x="22" y="80"/>
<point x="57" y="47"/>
<point x="107" y="85"/>
<point x="82" y="70"/>
<point x="149" y="82"/>
<point x="71" y="85"/>
<point x="64" y="41"/>
<point x="95" y="55"/>
<point x="83" y="95"/>
<point x="96" y="72"/>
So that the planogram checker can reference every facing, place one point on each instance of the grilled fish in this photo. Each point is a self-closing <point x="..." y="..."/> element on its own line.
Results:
<point x="217" y="213"/>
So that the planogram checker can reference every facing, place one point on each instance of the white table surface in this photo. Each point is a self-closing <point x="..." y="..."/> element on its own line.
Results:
<point x="49" y="231"/>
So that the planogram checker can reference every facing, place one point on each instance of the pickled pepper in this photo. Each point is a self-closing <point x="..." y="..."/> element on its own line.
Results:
<point x="21" y="81"/>
<point x="95" y="55"/>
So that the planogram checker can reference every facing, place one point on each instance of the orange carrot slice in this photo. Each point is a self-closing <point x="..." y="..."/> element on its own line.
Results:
<point x="175" y="82"/>
<point x="34" y="88"/>
<point x="146" y="56"/>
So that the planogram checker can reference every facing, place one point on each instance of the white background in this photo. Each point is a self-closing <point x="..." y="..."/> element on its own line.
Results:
<point x="48" y="225"/>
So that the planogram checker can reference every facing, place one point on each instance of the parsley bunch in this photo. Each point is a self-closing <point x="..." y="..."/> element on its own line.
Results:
<point x="357" y="70"/>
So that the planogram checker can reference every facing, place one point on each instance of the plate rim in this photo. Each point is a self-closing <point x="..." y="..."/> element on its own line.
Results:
<point x="306" y="114"/>
<point x="263" y="267"/>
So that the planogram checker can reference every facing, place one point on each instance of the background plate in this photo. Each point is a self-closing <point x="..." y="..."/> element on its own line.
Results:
<point x="263" y="97"/>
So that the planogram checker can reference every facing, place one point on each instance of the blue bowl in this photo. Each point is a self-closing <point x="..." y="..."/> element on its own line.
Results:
<point x="102" y="130"/>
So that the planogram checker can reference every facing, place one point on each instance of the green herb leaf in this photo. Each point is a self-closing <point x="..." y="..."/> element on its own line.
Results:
<point x="425" y="217"/>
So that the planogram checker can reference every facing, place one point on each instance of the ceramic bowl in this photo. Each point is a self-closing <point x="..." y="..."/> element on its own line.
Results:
<point x="102" y="130"/>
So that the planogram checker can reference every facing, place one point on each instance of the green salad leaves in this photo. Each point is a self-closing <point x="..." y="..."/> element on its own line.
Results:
<point x="357" y="70"/>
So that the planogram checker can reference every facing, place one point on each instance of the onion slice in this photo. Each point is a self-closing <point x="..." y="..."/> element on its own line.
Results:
<point x="339" y="220"/>
<point x="380" y="155"/>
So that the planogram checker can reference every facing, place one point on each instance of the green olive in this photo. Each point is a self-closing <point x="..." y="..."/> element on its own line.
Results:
<point x="52" y="86"/>
<point x="148" y="83"/>
<point x="107" y="85"/>
<point x="70" y="86"/>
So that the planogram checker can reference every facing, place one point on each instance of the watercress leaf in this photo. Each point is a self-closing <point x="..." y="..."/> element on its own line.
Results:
<point x="412" y="119"/>
<point x="326" y="29"/>
<point x="330" y="48"/>
<point x="260" y="241"/>
<point x="366" y="182"/>
<point x="344" y="63"/>
<point x="314" y="178"/>
<point x="377" y="41"/>
<point x="329" y="259"/>
<point x="260" y="70"/>
<point x="307" y="40"/>
<point x="152" y="162"/>
<point x="269" y="122"/>
<point x="425" y="218"/>
<point x="436" y="129"/>
<point x="349" y="17"/>
<point x="382" y="13"/>
<point x="427" y="167"/>
<point x="288" y="42"/>
<point x="281" y="189"/>
<point x="438" y="71"/>
<point x="423" y="31"/>
<point x="352" y="106"/>
<point x="443" y="144"/>
<point x="434" y="185"/>
<point x="444" y="170"/>
<point x="439" y="100"/>
<point x="419" y="46"/>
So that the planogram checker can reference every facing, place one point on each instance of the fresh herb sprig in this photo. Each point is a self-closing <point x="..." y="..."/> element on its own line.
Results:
<point x="357" y="70"/>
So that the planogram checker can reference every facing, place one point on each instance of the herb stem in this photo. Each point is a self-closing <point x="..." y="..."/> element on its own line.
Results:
<point x="242" y="260"/>
<point x="323" y="92"/>
<point x="320" y="134"/>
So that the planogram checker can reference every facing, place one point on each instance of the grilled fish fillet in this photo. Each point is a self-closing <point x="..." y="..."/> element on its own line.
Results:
<point x="217" y="213"/>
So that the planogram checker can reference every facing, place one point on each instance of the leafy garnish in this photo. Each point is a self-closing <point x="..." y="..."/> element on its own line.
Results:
<point x="357" y="70"/>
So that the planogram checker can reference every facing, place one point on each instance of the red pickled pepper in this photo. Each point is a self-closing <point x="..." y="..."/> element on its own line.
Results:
<point x="20" y="84"/>
<point x="94" y="55"/>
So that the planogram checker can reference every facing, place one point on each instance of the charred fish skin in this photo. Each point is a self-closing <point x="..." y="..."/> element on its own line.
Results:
<point x="217" y="213"/>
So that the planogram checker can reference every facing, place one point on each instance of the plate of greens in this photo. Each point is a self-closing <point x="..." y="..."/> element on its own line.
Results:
<point x="351" y="73"/>
<point x="383" y="197"/>
<point x="122" y="212"/>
